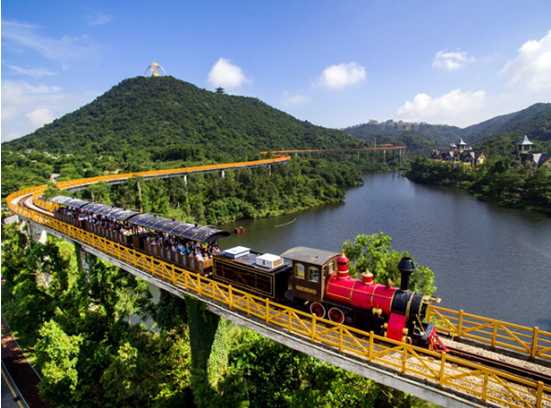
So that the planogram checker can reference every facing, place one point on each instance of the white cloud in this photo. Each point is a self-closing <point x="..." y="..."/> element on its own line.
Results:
<point x="226" y="75"/>
<point x="532" y="66"/>
<point x="293" y="100"/>
<point x="98" y="19"/>
<point x="450" y="61"/>
<point x="21" y="36"/>
<point x="342" y="75"/>
<point x="39" y="117"/>
<point x="32" y="72"/>
<point x="26" y="107"/>
<point x="455" y="105"/>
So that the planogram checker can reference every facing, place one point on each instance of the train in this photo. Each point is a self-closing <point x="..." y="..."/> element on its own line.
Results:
<point x="313" y="280"/>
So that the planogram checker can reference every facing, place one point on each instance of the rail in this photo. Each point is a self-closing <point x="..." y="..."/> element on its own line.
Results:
<point x="457" y="375"/>
<point x="531" y="342"/>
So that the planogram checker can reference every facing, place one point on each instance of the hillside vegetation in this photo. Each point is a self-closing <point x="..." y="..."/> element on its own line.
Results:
<point x="153" y="123"/>
<point x="160" y="114"/>
<point x="421" y="138"/>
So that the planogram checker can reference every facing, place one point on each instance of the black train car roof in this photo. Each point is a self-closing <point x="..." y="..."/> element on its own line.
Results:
<point x="71" y="202"/>
<point x="181" y="229"/>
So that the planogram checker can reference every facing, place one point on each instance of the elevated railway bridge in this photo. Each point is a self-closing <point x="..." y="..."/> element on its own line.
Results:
<point x="447" y="379"/>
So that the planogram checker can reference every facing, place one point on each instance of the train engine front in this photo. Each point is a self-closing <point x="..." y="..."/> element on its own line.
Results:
<point x="395" y="313"/>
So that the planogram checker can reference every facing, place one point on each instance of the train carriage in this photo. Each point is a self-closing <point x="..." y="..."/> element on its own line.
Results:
<point x="265" y="275"/>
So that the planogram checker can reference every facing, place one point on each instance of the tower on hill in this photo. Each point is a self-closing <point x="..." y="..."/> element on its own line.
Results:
<point x="154" y="69"/>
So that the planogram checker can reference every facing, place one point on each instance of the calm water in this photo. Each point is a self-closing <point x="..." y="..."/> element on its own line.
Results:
<point x="487" y="260"/>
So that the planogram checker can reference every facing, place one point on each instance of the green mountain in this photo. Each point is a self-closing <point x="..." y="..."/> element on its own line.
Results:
<point x="534" y="121"/>
<point x="159" y="114"/>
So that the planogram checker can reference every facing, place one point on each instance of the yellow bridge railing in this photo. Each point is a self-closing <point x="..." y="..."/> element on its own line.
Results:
<point x="441" y="370"/>
<point x="531" y="342"/>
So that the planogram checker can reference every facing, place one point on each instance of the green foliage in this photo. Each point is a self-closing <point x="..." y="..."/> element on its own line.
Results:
<point x="263" y="373"/>
<point x="53" y="191"/>
<point x="57" y="355"/>
<point x="373" y="253"/>
<point x="502" y="179"/>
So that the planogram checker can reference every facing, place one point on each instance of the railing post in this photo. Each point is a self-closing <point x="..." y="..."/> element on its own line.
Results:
<point x="404" y="358"/>
<point x="314" y="320"/>
<point x="442" y="369"/>
<point x="539" y="395"/>
<point x="485" y="387"/>
<point x="198" y="284"/>
<point x="230" y="297"/>
<point x="340" y="339"/>
<point x="267" y="316"/>
<point x="533" y="352"/>
<point x="460" y="324"/>
<point x="370" y="355"/>
<point x="494" y="336"/>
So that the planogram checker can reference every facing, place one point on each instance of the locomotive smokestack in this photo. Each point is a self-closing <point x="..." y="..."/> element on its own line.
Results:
<point x="406" y="268"/>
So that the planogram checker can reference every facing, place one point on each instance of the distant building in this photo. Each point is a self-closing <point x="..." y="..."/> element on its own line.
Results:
<point x="526" y="155"/>
<point x="460" y="153"/>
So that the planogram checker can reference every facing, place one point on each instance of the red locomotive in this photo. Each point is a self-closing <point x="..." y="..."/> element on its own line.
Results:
<point x="309" y="279"/>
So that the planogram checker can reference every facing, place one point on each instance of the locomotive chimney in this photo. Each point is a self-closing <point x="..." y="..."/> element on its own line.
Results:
<point x="405" y="267"/>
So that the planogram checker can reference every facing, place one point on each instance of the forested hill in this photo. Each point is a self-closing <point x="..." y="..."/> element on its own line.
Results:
<point x="534" y="121"/>
<point x="160" y="113"/>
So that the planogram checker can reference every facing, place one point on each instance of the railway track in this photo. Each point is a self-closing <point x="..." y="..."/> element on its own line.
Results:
<point x="501" y="365"/>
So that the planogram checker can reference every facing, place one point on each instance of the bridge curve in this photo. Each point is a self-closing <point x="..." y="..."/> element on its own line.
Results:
<point x="443" y="379"/>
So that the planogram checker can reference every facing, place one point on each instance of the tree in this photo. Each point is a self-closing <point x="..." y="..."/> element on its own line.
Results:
<point x="373" y="253"/>
<point x="57" y="354"/>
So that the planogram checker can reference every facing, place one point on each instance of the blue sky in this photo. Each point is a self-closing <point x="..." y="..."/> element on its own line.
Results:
<point x="333" y="63"/>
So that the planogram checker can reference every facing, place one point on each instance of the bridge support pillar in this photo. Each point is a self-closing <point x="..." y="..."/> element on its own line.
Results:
<point x="185" y="180"/>
<point x="270" y="170"/>
<point x="36" y="233"/>
<point x="209" y="350"/>
<point x="223" y="174"/>
<point x="384" y="156"/>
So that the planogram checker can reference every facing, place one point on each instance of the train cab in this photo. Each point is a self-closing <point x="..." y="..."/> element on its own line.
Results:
<point x="311" y="269"/>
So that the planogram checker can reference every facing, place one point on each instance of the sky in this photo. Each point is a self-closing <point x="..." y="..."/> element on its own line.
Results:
<point x="333" y="63"/>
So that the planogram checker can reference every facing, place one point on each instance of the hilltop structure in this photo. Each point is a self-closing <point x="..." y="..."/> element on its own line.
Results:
<point x="154" y="67"/>
<point x="525" y="154"/>
<point x="460" y="153"/>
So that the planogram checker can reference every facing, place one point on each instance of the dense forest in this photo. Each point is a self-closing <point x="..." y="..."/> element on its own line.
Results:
<point x="75" y="325"/>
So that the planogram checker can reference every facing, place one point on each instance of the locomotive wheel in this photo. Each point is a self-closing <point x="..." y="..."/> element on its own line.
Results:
<point x="336" y="315"/>
<point x="317" y="309"/>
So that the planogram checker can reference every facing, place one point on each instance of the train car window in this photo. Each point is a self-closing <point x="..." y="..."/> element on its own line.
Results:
<point x="314" y="274"/>
<point x="299" y="270"/>
<point x="331" y="267"/>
